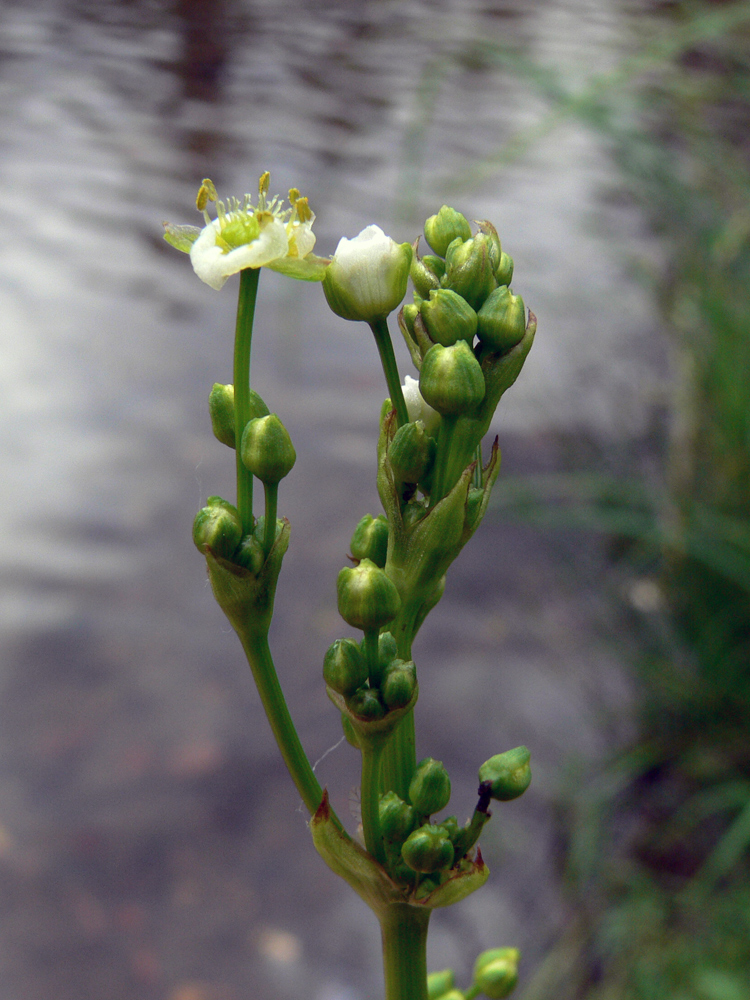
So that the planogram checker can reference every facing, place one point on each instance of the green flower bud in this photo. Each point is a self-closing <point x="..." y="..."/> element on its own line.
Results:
<point x="221" y="408"/>
<point x="489" y="233"/>
<point x="217" y="528"/>
<point x="496" y="972"/>
<point x="260" y="528"/>
<point x="440" y="230"/>
<point x="344" y="667"/>
<point x="453" y="994"/>
<point x="502" y="320"/>
<point x="367" y="598"/>
<point x="249" y="553"/>
<point x="451" y="379"/>
<point x="427" y="850"/>
<point x="399" y="683"/>
<point x="434" y="264"/>
<point x="451" y="827"/>
<point x="448" y="317"/>
<point x="370" y="539"/>
<point x="509" y="773"/>
<point x="366" y="705"/>
<point x="411" y="452"/>
<point x="504" y="272"/>
<point x="423" y="277"/>
<point x="367" y="276"/>
<point x="413" y="512"/>
<point x="387" y="650"/>
<point x="470" y="269"/>
<point x="267" y="450"/>
<point x="430" y="788"/>
<point x="438" y="984"/>
<point x="397" y="818"/>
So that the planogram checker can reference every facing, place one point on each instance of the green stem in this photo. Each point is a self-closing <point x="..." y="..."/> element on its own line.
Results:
<point x="275" y="706"/>
<point x="269" y="527"/>
<point x="441" y="476"/>
<point x="388" y="359"/>
<point x="400" y="755"/>
<point x="404" y="932"/>
<point x="370" y="792"/>
<point x="243" y="337"/>
<point x="372" y="656"/>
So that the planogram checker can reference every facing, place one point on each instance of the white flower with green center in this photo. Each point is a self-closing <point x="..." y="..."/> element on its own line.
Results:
<point x="367" y="276"/>
<point x="246" y="235"/>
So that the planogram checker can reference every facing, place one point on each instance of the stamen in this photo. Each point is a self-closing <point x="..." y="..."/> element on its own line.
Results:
<point x="293" y="195"/>
<point x="302" y="208"/>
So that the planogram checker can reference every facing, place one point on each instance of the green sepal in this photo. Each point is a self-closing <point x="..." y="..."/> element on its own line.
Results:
<point x="246" y="598"/>
<point x="309" y="268"/>
<point x="374" y="732"/>
<point x="181" y="237"/>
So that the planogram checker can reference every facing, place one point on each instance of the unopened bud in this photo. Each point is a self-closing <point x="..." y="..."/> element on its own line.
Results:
<point x="411" y="452"/>
<point x="398" y="685"/>
<point x="367" y="277"/>
<point x="470" y="270"/>
<point x="249" y="553"/>
<point x="387" y="651"/>
<point x="509" y="773"/>
<point x="217" y="528"/>
<point x="451" y="379"/>
<point x="267" y="450"/>
<point x="344" y="667"/>
<point x="423" y="277"/>
<point x="502" y="320"/>
<point x="366" y="705"/>
<point x="370" y="539"/>
<point x="438" y="984"/>
<point x="221" y="408"/>
<point x="397" y="818"/>
<point x="427" y="850"/>
<point x="448" y="317"/>
<point x="504" y="272"/>
<point x="440" y="230"/>
<point x="496" y="972"/>
<point x="430" y="788"/>
<point x="367" y="599"/>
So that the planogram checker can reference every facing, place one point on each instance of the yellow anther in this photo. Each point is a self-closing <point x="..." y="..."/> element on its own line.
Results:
<point x="303" y="210"/>
<point x="206" y="193"/>
<point x="265" y="180"/>
<point x="293" y="195"/>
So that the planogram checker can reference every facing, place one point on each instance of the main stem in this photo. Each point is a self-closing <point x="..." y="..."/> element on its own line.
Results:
<point x="404" y="933"/>
<point x="370" y="787"/>
<point x="243" y="337"/>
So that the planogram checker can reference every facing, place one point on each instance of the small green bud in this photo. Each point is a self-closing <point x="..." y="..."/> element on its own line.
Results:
<point x="387" y="650"/>
<point x="470" y="270"/>
<point x="423" y="277"/>
<point x="256" y="406"/>
<point x="370" y="539"/>
<point x="440" y="230"/>
<point x="399" y="683"/>
<point x="411" y="452"/>
<point x="496" y="972"/>
<point x="267" y="450"/>
<point x="344" y="667"/>
<point x="260" y="528"/>
<point x="504" y="272"/>
<point x="409" y="313"/>
<point x="366" y="705"/>
<point x="397" y="818"/>
<point x="367" y="277"/>
<point x="488" y="232"/>
<point x="451" y="827"/>
<point x="427" y="850"/>
<point x="502" y="320"/>
<point x="448" y="317"/>
<point x="438" y="984"/>
<point x="509" y="773"/>
<point x="367" y="599"/>
<point x="451" y="379"/>
<point x="430" y="788"/>
<point x="249" y="553"/>
<point x="217" y="528"/>
<point x="221" y="408"/>
<point x="434" y="264"/>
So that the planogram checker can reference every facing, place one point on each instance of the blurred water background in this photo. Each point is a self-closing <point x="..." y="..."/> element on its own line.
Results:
<point x="151" y="844"/>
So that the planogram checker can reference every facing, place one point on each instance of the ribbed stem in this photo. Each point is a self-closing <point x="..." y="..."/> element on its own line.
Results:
<point x="269" y="529"/>
<point x="370" y="793"/>
<point x="404" y="932"/>
<point x="243" y="337"/>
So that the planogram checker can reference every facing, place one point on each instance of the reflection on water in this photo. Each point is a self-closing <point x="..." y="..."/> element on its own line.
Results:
<point x="140" y="794"/>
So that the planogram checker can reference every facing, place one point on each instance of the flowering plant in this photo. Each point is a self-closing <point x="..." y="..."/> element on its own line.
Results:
<point x="434" y="486"/>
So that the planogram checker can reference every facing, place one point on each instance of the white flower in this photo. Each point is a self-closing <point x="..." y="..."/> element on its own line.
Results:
<point x="244" y="235"/>
<point x="417" y="408"/>
<point x="367" y="276"/>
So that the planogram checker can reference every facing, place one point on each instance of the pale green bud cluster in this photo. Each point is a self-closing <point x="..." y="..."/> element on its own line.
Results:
<point x="495" y="976"/>
<point x="370" y="693"/>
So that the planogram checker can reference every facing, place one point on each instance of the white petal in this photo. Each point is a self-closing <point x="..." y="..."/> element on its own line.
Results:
<point x="214" y="266"/>
<point x="417" y="408"/>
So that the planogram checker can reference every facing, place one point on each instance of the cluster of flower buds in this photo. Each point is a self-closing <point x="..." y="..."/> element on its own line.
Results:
<point x="369" y="694"/>
<point x="495" y="976"/>
<point x="266" y="450"/>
